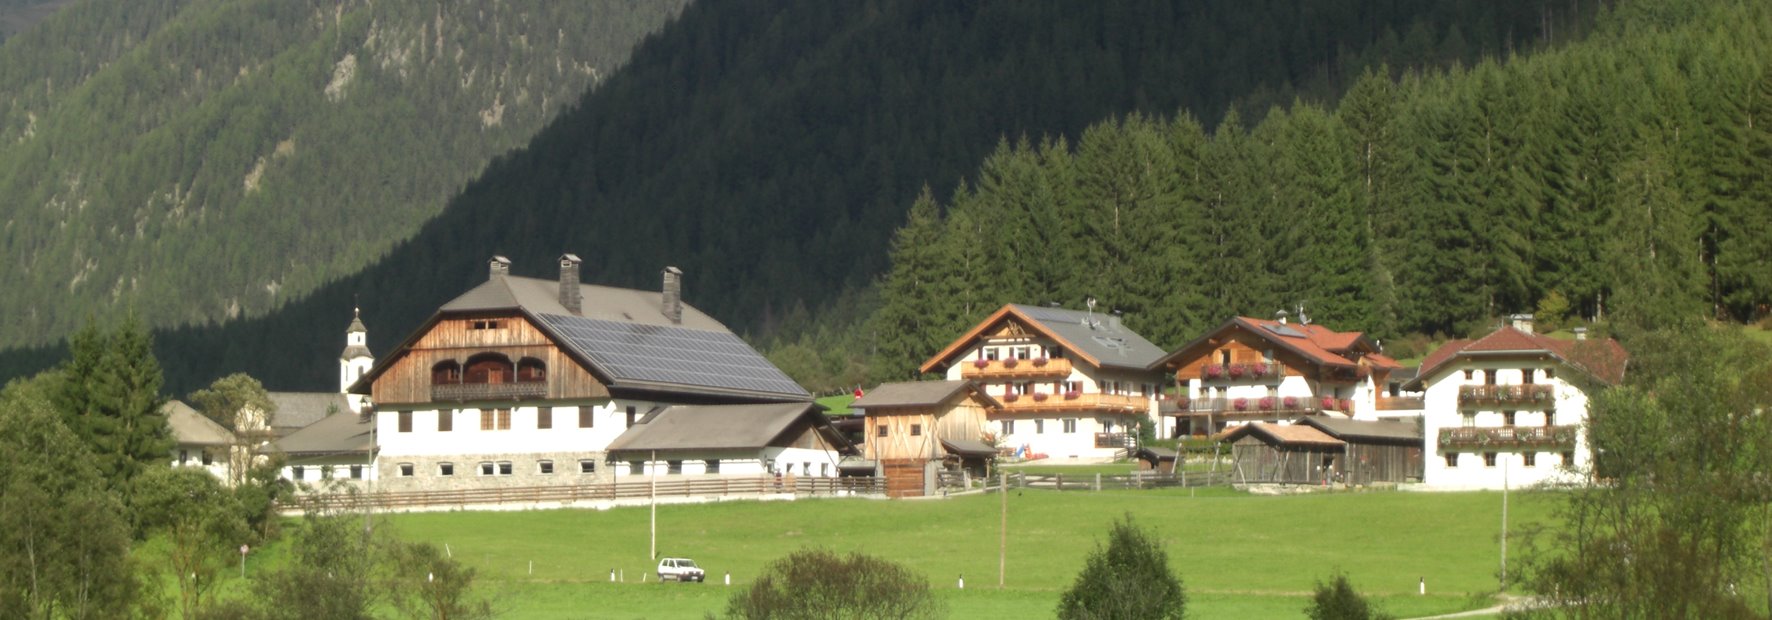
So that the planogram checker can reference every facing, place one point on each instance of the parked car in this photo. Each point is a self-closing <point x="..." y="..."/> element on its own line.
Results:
<point x="680" y="569"/>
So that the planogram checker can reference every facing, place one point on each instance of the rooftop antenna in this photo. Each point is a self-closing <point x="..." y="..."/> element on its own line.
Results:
<point x="1303" y="319"/>
<point x="1090" y="302"/>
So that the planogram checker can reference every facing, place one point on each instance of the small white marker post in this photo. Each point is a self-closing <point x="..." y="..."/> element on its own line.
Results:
<point x="243" y="550"/>
<point x="1424" y="586"/>
<point x="962" y="581"/>
<point x="611" y="575"/>
<point x="728" y="577"/>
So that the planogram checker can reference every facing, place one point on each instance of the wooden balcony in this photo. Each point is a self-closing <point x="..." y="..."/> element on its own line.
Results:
<point x="1357" y="374"/>
<point x="1273" y="407"/>
<point x="1400" y="403"/>
<point x="459" y="392"/>
<point x="1548" y="438"/>
<point x="1258" y="372"/>
<point x="1015" y="368"/>
<point x="1529" y="397"/>
<point x="1087" y="403"/>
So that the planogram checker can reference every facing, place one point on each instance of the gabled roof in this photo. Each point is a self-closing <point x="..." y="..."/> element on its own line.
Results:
<point x="190" y="428"/>
<point x="340" y="433"/>
<point x="716" y="427"/>
<point x="968" y="447"/>
<point x="623" y="337"/>
<point x="297" y="410"/>
<point x="1603" y="359"/>
<point x="1099" y="339"/>
<point x="919" y="394"/>
<point x="1315" y="343"/>
<point x="1283" y="434"/>
<point x="1366" y="431"/>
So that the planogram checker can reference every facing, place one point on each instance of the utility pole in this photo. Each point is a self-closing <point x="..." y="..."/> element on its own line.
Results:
<point x="654" y="465"/>
<point x="1506" y="465"/>
<point x="1003" y="534"/>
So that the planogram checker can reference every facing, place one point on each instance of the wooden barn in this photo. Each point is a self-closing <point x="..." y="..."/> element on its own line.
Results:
<point x="1377" y="451"/>
<point x="915" y="428"/>
<point x="1266" y="453"/>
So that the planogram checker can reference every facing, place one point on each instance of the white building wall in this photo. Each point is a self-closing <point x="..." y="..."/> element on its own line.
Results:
<point x="609" y="420"/>
<point x="192" y="456"/>
<point x="1441" y="411"/>
<point x="1053" y="441"/>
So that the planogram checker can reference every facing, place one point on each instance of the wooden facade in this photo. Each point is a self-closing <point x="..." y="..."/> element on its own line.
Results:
<point x="916" y="432"/>
<point x="419" y="376"/>
<point x="1254" y="461"/>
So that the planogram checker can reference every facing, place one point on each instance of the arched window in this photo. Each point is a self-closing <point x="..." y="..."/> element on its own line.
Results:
<point x="488" y="368"/>
<point x="531" y="370"/>
<point x="446" y="372"/>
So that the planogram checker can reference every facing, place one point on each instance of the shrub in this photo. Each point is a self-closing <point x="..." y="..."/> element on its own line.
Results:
<point x="1337" y="600"/>
<point x="816" y="583"/>
<point x="1128" y="579"/>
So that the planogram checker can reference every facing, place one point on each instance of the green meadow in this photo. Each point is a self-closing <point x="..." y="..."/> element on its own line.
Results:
<point x="1238" y="555"/>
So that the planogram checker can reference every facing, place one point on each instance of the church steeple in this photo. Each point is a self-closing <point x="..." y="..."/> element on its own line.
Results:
<point x="356" y="359"/>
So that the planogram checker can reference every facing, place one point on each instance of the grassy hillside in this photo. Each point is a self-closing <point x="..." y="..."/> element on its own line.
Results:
<point x="1238" y="555"/>
<point x="207" y="159"/>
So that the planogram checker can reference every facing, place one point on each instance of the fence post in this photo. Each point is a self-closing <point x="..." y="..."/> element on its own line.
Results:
<point x="1097" y="481"/>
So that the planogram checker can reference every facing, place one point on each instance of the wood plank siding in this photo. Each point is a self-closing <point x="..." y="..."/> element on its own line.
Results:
<point x="964" y="420"/>
<point x="1245" y="348"/>
<point x="408" y="381"/>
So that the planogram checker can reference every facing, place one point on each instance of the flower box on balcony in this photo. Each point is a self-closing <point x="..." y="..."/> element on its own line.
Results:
<point x="1213" y="371"/>
<point x="1347" y="405"/>
<point x="1236" y="371"/>
<point x="981" y="364"/>
<point x="1267" y="403"/>
<point x="1258" y="369"/>
<point x="1241" y="404"/>
<point x="1011" y="397"/>
<point x="1072" y="395"/>
<point x="1328" y="402"/>
<point x="1040" y="362"/>
<point x="1039" y="397"/>
<point x="1011" y="363"/>
<point x="1291" y="402"/>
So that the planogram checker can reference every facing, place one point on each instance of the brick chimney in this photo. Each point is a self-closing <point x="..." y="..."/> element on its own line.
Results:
<point x="673" y="295"/>
<point x="498" y="266"/>
<point x="570" y="296"/>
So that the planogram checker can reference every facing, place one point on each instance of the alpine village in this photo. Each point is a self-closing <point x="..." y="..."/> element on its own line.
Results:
<point x="1118" y="309"/>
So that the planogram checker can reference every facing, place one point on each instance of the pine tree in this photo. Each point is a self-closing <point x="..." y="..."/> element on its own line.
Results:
<point x="902" y="329"/>
<point x="1368" y="113"/>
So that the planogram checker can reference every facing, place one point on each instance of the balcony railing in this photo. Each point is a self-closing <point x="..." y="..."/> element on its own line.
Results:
<point x="1262" y="407"/>
<point x="1037" y="367"/>
<point x="1559" y="437"/>
<point x="1537" y="396"/>
<point x="1071" y="401"/>
<point x="1116" y="440"/>
<point x="1355" y="374"/>
<point x="1400" y="403"/>
<point x="488" y="391"/>
<point x="1257" y="372"/>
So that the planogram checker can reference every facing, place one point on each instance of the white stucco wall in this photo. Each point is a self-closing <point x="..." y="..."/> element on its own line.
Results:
<point x="1440" y="410"/>
<point x="1054" y="441"/>
<point x="465" y="439"/>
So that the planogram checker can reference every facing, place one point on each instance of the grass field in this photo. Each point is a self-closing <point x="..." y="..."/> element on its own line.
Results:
<point x="1239" y="556"/>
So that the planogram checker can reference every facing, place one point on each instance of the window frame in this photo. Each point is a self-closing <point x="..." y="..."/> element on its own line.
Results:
<point x="403" y="421"/>
<point x="445" y="421"/>
<point x="544" y="467"/>
<point x="407" y="470"/>
<point x="587" y="466"/>
<point x="544" y="418"/>
<point x="446" y="469"/>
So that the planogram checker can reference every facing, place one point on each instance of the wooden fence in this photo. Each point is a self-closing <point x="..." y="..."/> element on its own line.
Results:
<point x="1091" y="482"/>
<point x="607" y="491"/>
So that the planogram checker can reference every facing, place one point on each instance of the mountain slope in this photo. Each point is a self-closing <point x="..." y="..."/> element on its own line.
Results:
<point x="770" y="150"/>
<point x="206" y="159"/>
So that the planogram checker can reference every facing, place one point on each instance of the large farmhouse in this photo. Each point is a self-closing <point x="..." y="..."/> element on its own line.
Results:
<point x="1508" y="408"/>
<point x="1248" y="370"/>
<point x="1073" y="384"/>
<point x="525" y="382"/>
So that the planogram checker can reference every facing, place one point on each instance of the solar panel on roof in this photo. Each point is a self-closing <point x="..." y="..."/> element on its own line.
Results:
<point x="667" y="354"/>
<point x="1284" y="331"/>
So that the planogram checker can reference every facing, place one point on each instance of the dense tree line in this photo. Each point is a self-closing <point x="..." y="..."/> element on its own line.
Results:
<point x="771" y="150"/>
<point x="204" y="159"/>
<point x="1625" y="178"/>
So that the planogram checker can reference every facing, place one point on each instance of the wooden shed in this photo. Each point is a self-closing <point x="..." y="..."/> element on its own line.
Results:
<point x="1377" y="451"/>
<point x="1282" y="454"/>
<point x="914" y="428"/>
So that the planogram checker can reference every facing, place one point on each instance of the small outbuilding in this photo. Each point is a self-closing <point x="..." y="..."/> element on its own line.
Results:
<point x="1267" y="453"/>
<point x="1376" y="451"/>
<point x="1160" y="460"/>
<point x="914" y="428"/>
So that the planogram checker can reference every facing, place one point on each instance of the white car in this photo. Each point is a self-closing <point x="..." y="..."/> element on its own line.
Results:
<point x="680" y="569"/>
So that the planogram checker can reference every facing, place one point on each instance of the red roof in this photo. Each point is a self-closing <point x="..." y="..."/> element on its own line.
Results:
<point x="1319" y="343"/>
<point x="1381" y="360"/>
<point x="1281" y="434"/>
<point x="1602" y="359"/>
